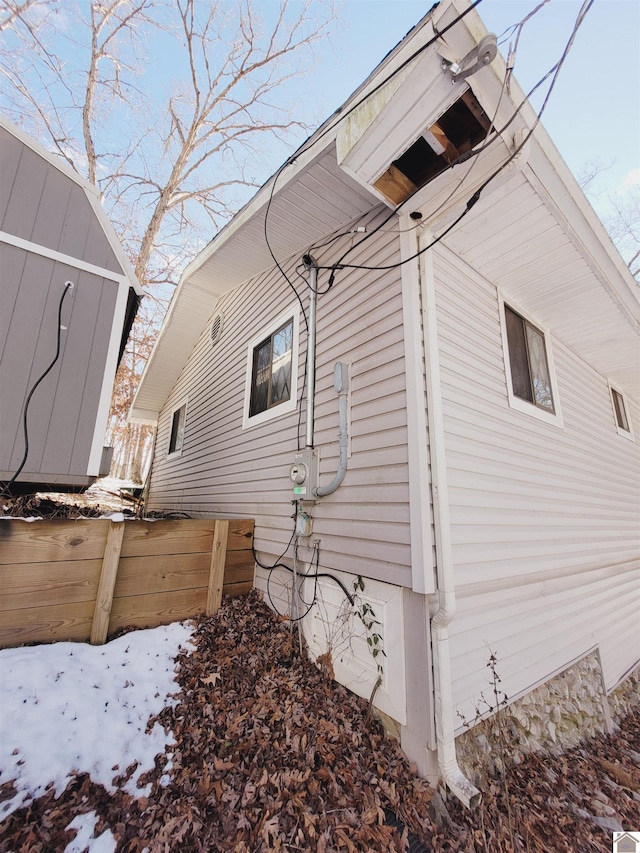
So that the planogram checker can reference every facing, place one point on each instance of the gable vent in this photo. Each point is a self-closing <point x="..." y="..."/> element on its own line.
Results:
<point x="216" y="329"/>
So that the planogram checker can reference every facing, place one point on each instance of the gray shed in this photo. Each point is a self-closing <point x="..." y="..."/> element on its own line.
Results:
<point x="53" y="230"/>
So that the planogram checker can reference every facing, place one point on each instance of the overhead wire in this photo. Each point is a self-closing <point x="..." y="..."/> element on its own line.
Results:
<point x="341" y="116"/>
<point x="314" y="139"/>
<point x="555" y="70"/>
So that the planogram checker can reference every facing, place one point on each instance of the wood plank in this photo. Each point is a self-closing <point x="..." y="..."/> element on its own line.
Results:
<point x="146" y="575"/>
<point x="234" y="589"/>
<point x="52" y="540"/>
<point x="108" y="575"/>
<point x="168" y="536"/>
<point x="147" y="611"/>
<point x="46" y="624"/>
<point x="216" y="573"/>
<point x="240" y="534"/>
<point x="395" y="185"/>
<point x="238" y="574"/>
<point x="45" y="584"/>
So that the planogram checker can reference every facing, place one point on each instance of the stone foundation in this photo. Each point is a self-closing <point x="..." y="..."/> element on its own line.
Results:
<point x="626" y="695"/>
<point x="554" y="717"/>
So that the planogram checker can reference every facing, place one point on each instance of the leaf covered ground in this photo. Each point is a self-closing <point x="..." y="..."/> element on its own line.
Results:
<point x="270" y="754"/>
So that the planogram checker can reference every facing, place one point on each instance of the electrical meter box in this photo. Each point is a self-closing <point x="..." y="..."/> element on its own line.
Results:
<point x="304" y="474"/>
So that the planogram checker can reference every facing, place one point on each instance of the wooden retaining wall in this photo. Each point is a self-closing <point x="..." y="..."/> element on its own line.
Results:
<point x="85" y="579"/>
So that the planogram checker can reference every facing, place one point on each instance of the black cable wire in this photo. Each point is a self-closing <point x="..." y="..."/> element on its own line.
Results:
<point x="314" y="139"/>
<point x="279" y="565"/>
<point x="68" y="285"/>
<point x="340" y="116"/>
<point x="476" y="196"/>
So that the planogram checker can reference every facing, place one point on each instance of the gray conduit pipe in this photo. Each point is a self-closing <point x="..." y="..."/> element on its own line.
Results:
<point x="341" y="385"/>
<point x="312" y="266"/>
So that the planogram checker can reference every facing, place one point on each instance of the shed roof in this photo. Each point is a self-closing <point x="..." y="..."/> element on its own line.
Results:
<point x="558" y="259"/>
<point x="91" y="192"/>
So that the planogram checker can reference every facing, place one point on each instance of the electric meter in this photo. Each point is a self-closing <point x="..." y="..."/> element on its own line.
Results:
<point x="304" y="475"/>
<point x="298" y="473"/>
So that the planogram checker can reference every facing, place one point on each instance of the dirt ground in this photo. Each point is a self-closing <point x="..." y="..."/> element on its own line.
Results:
<point x="271" y="754"/>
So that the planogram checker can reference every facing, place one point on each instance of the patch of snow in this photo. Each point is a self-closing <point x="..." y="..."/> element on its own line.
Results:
<point x="73" y="708"/>
<point x="18" y="518"/>
<point x="85" y="824"/>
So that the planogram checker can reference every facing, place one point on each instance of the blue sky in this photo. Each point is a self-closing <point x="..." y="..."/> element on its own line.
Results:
<point x="594" y="110"/>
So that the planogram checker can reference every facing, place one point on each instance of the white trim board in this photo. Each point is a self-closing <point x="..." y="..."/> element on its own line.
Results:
<point x="92" y="193"/>
<point x="60" y="257"/>
<point x="108" y="378"/>
<point x="422" y="564"/>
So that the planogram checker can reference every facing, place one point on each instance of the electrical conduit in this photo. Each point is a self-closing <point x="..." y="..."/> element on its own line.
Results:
<point x="341" y="385"/>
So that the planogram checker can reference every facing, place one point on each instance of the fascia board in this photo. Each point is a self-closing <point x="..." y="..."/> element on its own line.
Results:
<point x="92" y="193"/>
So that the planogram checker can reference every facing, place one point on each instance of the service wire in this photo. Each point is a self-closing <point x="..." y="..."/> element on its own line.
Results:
<point x="67" y="287"/>
<point x="555" y="70"/>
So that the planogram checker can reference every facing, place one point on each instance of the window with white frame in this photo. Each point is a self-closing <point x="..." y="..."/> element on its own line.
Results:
<point x="623" y="423"/>
<point x="530" y="374"/>
<point x="271" y="379"/>
<point x="178" y="420"/>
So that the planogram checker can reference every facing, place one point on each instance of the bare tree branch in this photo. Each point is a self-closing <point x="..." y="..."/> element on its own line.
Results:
<point x="174" y="154"/>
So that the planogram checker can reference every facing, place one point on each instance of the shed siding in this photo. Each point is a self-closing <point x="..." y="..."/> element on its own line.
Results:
<point x="63" y="409"/>
<point x="41" y="204"/>
<point x="545" y="520"/>
<point x="223" y="469"/>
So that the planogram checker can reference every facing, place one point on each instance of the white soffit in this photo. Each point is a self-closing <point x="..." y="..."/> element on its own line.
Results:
<point x="520" y="242"/>
<point x="317" y="201"/>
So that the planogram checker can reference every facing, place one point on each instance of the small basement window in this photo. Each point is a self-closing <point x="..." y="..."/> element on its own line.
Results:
<point x="530" y="374"/>
<point x="623" y="423"/>
<point x="271" y="381"/>
<point x="458" y="130"/>
<point x="178" y="419"/>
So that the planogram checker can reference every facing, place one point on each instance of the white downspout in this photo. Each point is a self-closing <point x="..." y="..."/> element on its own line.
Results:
<point x="444" y="707"/>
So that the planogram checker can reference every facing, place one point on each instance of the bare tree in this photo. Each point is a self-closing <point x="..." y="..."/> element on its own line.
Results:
<point x="619" y="211"/>
<point x="168" y="106"/>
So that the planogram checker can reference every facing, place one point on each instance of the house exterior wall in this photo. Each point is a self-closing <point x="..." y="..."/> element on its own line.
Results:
<point x="364" y="527"/>
<point x="545" y="519"/>
<point x="62" y="412"/>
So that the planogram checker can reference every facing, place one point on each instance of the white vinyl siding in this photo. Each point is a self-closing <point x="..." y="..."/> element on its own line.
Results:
<point x="225" y="470"/>
<point x="545" y="522"/>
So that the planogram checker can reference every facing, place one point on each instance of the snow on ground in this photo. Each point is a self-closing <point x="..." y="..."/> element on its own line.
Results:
<point x="71" y="708"/>
<point x="85" y="825"/>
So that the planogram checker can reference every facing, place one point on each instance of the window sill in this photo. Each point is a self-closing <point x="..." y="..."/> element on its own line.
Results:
<point x="553" y="418"/>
